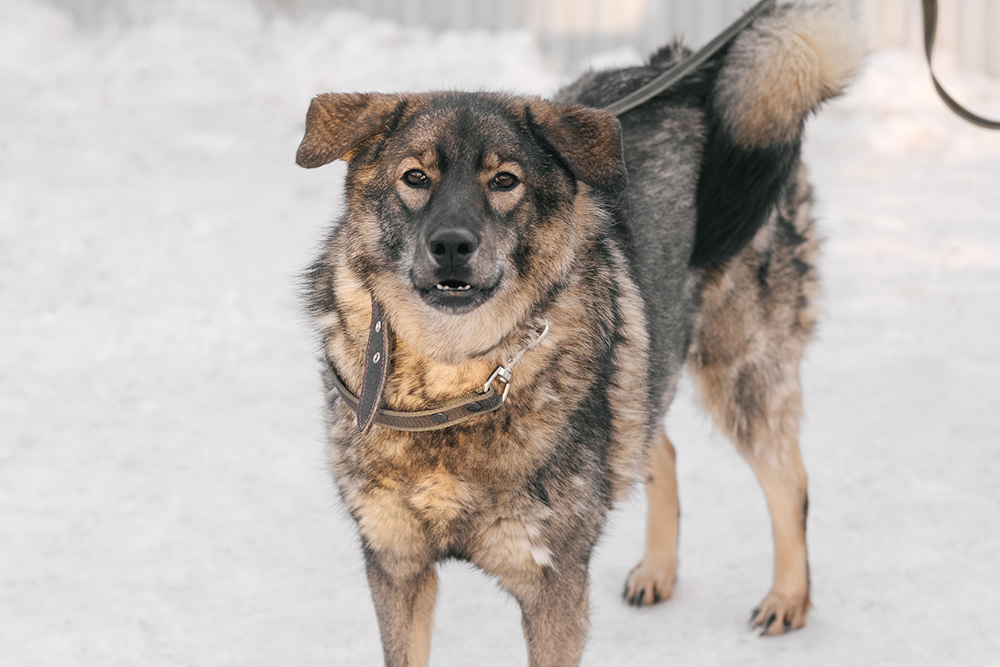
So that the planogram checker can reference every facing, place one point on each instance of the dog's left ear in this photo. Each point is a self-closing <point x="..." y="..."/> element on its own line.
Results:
<point x="588" y="140"/>
<point x="337" y="123"/>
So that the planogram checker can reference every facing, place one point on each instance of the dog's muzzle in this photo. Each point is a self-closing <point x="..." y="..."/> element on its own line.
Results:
<point x="451" y="277"/>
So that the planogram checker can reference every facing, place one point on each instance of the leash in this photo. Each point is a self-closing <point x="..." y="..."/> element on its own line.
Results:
<point x="667" y="79"/>
<point x="930" y="9"/>
<point x="448" y="413"/>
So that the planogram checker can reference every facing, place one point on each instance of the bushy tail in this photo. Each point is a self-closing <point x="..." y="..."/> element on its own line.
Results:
<point x="775" y="73"/>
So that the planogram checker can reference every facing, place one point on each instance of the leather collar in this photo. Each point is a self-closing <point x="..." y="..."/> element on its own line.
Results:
<point x="441" y="415"/>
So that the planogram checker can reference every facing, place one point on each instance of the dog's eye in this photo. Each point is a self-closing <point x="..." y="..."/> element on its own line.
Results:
<point x="416" y="179"/>
<point x="503" y="181"/>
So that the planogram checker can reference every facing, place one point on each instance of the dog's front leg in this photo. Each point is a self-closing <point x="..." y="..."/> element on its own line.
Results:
<point x="555" y="615"/>
<point x="404" y="597"/>
<point x="652" y="580"/>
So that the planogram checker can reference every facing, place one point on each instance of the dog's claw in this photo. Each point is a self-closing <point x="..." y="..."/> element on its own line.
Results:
<point x="767" y="624"/>
<point x="635" y="598"/>
<point x="779" y="614"/>
<point x="648" y="586"/>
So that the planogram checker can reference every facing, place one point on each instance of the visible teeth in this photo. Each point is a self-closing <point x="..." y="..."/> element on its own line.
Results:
<point x="446" y="288"/>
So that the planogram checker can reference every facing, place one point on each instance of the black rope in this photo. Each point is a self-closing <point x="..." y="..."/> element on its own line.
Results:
<point x="930" y="28"/>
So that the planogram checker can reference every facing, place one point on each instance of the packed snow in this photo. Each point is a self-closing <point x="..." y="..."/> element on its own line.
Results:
<point x="163" y="494"/>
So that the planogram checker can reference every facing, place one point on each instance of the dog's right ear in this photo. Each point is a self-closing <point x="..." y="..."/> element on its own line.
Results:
<point x="337" y="123"/>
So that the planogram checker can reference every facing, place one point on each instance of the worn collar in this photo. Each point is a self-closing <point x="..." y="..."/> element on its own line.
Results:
<point x="437" y="416"/>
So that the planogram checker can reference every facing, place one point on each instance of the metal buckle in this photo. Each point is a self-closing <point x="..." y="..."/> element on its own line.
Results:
<point x="504" y="376"/>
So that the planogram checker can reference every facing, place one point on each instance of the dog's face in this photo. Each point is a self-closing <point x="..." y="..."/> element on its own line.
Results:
<point x="464" y="209"/>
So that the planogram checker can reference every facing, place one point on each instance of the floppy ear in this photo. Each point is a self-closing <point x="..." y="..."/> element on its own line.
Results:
<point x="588" y="140"/>
<point x="337" y="123"/>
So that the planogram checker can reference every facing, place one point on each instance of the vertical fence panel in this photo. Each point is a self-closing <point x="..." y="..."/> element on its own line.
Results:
<point x="885" y="21"/>
<point x="971" y="36"/>
<point x="947" y="28"/>
<point x="969" y="28"/>
<point x="991" y="25"/>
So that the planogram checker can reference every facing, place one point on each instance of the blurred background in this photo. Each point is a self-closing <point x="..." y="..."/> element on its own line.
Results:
<point x="571" y="30"/>
<point x="164" y="499"/>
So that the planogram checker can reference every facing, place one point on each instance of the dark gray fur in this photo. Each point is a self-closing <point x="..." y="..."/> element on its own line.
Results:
<point x="656" y="219"/>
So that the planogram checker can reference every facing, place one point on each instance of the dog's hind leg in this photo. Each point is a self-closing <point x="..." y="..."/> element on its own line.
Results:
<point x="755" y="318"/>
<point x="758" y="405"/>
<point x="652" y="580"/>
<point x="405" y="609"/>
<point x="783" y="478"/>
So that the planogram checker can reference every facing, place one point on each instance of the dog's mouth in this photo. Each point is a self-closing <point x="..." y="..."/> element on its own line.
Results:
<point x="453" y="286"/>
<point x="456" y="296"/>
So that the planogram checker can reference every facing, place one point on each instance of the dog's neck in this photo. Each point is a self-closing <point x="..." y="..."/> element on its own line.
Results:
<point x="417" y="378"/>
<point x="368" y="404"/>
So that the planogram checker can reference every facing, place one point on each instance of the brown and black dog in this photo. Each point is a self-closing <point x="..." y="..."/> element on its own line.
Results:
<point x="477" y="222"/>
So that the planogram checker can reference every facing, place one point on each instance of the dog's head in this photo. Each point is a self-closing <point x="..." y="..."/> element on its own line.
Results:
<point x="464" y="209"/>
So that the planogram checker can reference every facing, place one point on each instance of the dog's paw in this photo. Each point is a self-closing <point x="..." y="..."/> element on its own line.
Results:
<point x="778" y="614"/>
<point x="648" y="585"/>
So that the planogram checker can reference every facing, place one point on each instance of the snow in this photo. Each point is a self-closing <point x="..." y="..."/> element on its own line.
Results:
<point x="163" y="496"/>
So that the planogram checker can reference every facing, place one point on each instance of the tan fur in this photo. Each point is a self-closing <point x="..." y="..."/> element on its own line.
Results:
<point x="562" y="126"/>
<point x="502" y="201"/>
<point x="336" y="124"/>
<point x="783" y="67"/>
<point x="423" y="622"/>
<point x="413" y="198"/>
<point x="744" y="361"/>
<point x="652" y="580"/>
<point x="783" y="479"/>
<point x="629" y="414"/>
<point x="418" y="379"/>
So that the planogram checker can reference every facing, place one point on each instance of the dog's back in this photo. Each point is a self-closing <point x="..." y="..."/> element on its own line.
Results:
<point x="711" y="161"/>
<point x="717" y="224"/>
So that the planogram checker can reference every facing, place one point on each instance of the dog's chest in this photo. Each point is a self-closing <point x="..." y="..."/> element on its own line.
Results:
<point x="429" y="502"/>
<point x="481" y="524"/>
<point x="440" y="498"/>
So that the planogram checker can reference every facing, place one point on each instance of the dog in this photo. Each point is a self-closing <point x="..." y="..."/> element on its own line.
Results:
<point x="514" y="289"/>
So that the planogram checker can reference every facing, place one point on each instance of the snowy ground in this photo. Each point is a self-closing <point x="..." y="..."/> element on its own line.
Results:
<point x="163" y="498"/>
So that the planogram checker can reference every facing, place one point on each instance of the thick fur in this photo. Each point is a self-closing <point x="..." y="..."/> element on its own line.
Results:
<point x="476" y="218"/>
<point x="775" y="74"/>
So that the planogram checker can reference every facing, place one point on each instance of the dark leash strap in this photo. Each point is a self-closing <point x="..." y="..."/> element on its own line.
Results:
<point x="666" y="80"/>
<point x="930" y="8"/>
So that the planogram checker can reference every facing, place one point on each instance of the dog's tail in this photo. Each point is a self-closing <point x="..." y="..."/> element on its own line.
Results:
<point x="773" y="75"/>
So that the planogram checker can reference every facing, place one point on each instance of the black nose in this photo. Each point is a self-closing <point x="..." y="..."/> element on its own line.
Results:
<point x="452" y="247"/>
